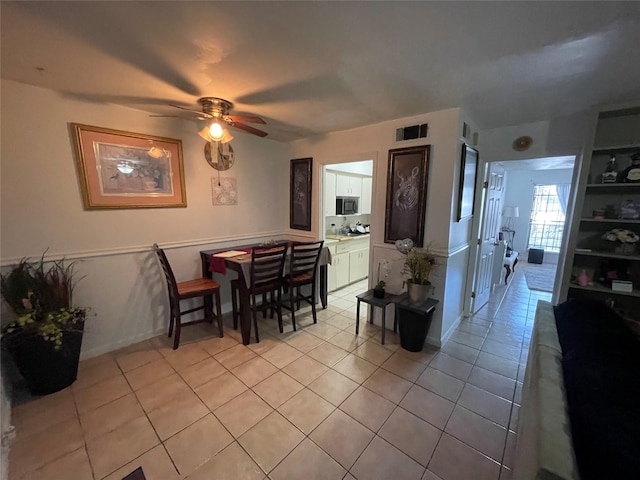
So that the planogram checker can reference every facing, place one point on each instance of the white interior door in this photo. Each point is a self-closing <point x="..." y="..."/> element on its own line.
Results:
<point x="488" y="238"/>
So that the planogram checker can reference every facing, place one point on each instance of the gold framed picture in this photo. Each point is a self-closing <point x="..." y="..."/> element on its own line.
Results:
<point x="119" y="169"/>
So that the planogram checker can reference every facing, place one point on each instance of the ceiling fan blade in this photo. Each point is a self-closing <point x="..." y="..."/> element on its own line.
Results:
<point x="163" y="116"/>
<point x="249" y="129"/>
<point x="245" y="118"/>
<point x="197" y="112"/>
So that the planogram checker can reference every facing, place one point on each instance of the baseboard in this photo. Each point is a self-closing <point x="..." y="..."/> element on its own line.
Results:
<point x="125" y="342"/>
<point x="447" y="335"/>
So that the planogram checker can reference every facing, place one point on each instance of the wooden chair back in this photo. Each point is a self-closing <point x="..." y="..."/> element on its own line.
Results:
<point x="172" y="285"/>
<point x="304" y="262"/>
<point x="267" y="265"/>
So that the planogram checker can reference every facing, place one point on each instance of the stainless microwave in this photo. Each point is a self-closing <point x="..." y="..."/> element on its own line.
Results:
<point x="346" y="205"/>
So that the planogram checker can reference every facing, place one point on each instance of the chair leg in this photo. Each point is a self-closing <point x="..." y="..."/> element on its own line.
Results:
<point x="254" y="315"/>
<point x="219" y="312"/>
<point x="279" y="311"/>
<point x="171" y="321"/>
<point x="313" y="303"/>
<point x="234" y="306"/>
<point x="208" y="307"/>
<point x="264" y="302"/>
<point x="176" y="338"/>
<point x="293" y="310"/>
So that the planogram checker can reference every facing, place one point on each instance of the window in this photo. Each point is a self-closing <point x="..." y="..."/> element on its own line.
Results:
<point x="547" y="219"/>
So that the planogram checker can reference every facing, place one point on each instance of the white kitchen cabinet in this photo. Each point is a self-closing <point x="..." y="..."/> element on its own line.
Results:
<point x="358" y="265"/>
<point x="339" y="271"/>
<point x="365" y="198"/>
<point x="329" y="194"/>
<point x="348" y="185"/>
<point x="349" y="262"/>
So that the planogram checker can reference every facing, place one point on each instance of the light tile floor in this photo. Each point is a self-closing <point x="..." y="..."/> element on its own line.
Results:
<point x="318" y="403"/>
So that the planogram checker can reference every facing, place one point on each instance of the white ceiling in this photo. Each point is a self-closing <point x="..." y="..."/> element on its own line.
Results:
<point x="548" y="163"/>
<point x="314" y="67"/>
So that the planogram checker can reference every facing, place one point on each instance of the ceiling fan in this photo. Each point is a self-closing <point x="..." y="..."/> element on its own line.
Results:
<point x="216" y="111"/>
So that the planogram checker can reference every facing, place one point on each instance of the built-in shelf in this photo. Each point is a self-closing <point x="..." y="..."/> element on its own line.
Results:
<point x="602" y="289"/>
<point x="616" y="134"/>
<point x="630" y="148"/>
<point x="620" y="256"/>
<point x="610" y="220"/>
<point x="612" y="187"/>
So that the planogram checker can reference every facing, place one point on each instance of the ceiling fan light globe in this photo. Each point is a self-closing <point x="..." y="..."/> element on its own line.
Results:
<point x="216" y="132"/>
<point x="226" y="136"/>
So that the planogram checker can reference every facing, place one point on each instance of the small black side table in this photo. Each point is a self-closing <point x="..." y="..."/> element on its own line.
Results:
<point x="414" y="321"/>
<point x="367" y="297"/>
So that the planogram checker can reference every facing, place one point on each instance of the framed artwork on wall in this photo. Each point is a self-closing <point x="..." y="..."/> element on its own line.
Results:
<point x="407" y="176"/>
<point x="467" y="187"/>
<point x="300" y="194"/>
<point x="118" y="169"/>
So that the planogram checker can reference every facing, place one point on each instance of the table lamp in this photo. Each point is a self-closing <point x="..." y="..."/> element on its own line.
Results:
<point x="509" y="213"/>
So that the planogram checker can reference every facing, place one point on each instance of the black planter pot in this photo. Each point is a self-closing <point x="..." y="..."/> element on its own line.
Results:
<point x="414" y="320"/>
<point x="413" y="331"/>
<point x="45" y="369"/>
<point x="378" y="292"/>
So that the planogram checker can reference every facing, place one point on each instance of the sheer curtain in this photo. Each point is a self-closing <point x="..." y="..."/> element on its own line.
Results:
<point x="562" y="191"/>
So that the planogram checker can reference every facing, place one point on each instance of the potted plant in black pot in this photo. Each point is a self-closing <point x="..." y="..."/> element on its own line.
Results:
<point x="414" y="313"/>
<point x="44" y="339"/>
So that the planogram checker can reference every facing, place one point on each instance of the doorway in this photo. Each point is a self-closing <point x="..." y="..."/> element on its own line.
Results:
<point x="520" y="180"/>
<point x="346" y="222"/>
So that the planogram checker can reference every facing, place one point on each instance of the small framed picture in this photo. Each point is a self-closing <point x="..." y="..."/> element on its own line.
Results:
<point x="467" y="187"/>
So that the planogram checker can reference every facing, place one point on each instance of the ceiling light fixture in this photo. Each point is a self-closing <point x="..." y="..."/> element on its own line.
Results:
<point x="208" y="135"/>
<point x="215" y="131"/>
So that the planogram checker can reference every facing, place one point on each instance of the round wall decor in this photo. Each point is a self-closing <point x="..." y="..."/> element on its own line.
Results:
<point x="522" y="143"/>
<point x="219" y="155"/>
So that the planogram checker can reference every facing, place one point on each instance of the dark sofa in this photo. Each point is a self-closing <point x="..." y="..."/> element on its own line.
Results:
<point x="580" y="414"/>
<point x="601" y="370"/>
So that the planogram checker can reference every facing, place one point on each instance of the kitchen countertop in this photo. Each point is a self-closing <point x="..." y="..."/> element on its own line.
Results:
<point x="342" y="238"/>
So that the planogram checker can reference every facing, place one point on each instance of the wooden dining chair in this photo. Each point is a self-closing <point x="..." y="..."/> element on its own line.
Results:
<point x="267" y="265"/>
<point x="198" y="287"/>
<point x="303" y="267"/>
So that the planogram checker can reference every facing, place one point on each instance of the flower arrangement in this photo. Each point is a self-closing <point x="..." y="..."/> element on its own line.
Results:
<point x="419" y="263"/>
<point x="385" y="268"/>
<point x="620" y="235"/>
<point x="42" y="300"/>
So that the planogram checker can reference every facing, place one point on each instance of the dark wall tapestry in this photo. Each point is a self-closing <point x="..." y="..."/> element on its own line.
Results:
<point x="300" y="194"/>
<point x="406" y="194"/>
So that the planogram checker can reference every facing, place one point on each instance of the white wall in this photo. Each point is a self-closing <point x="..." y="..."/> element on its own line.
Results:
<point x="519" y="192"/>
<point x="42" y="208"/>
<point x="364" y="167"/>
<point x="551" y="138"/>
<point x="374" y="142"/>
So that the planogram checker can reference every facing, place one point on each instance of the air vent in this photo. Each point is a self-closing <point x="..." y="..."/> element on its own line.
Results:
<point x="412" y="132"/>
<point x="466" y="131"/>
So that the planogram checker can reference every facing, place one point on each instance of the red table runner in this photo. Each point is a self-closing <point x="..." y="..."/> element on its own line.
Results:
<point x="218" y="264"/>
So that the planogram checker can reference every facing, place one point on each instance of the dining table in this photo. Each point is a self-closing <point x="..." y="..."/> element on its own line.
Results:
<point x="238" y="259"/>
